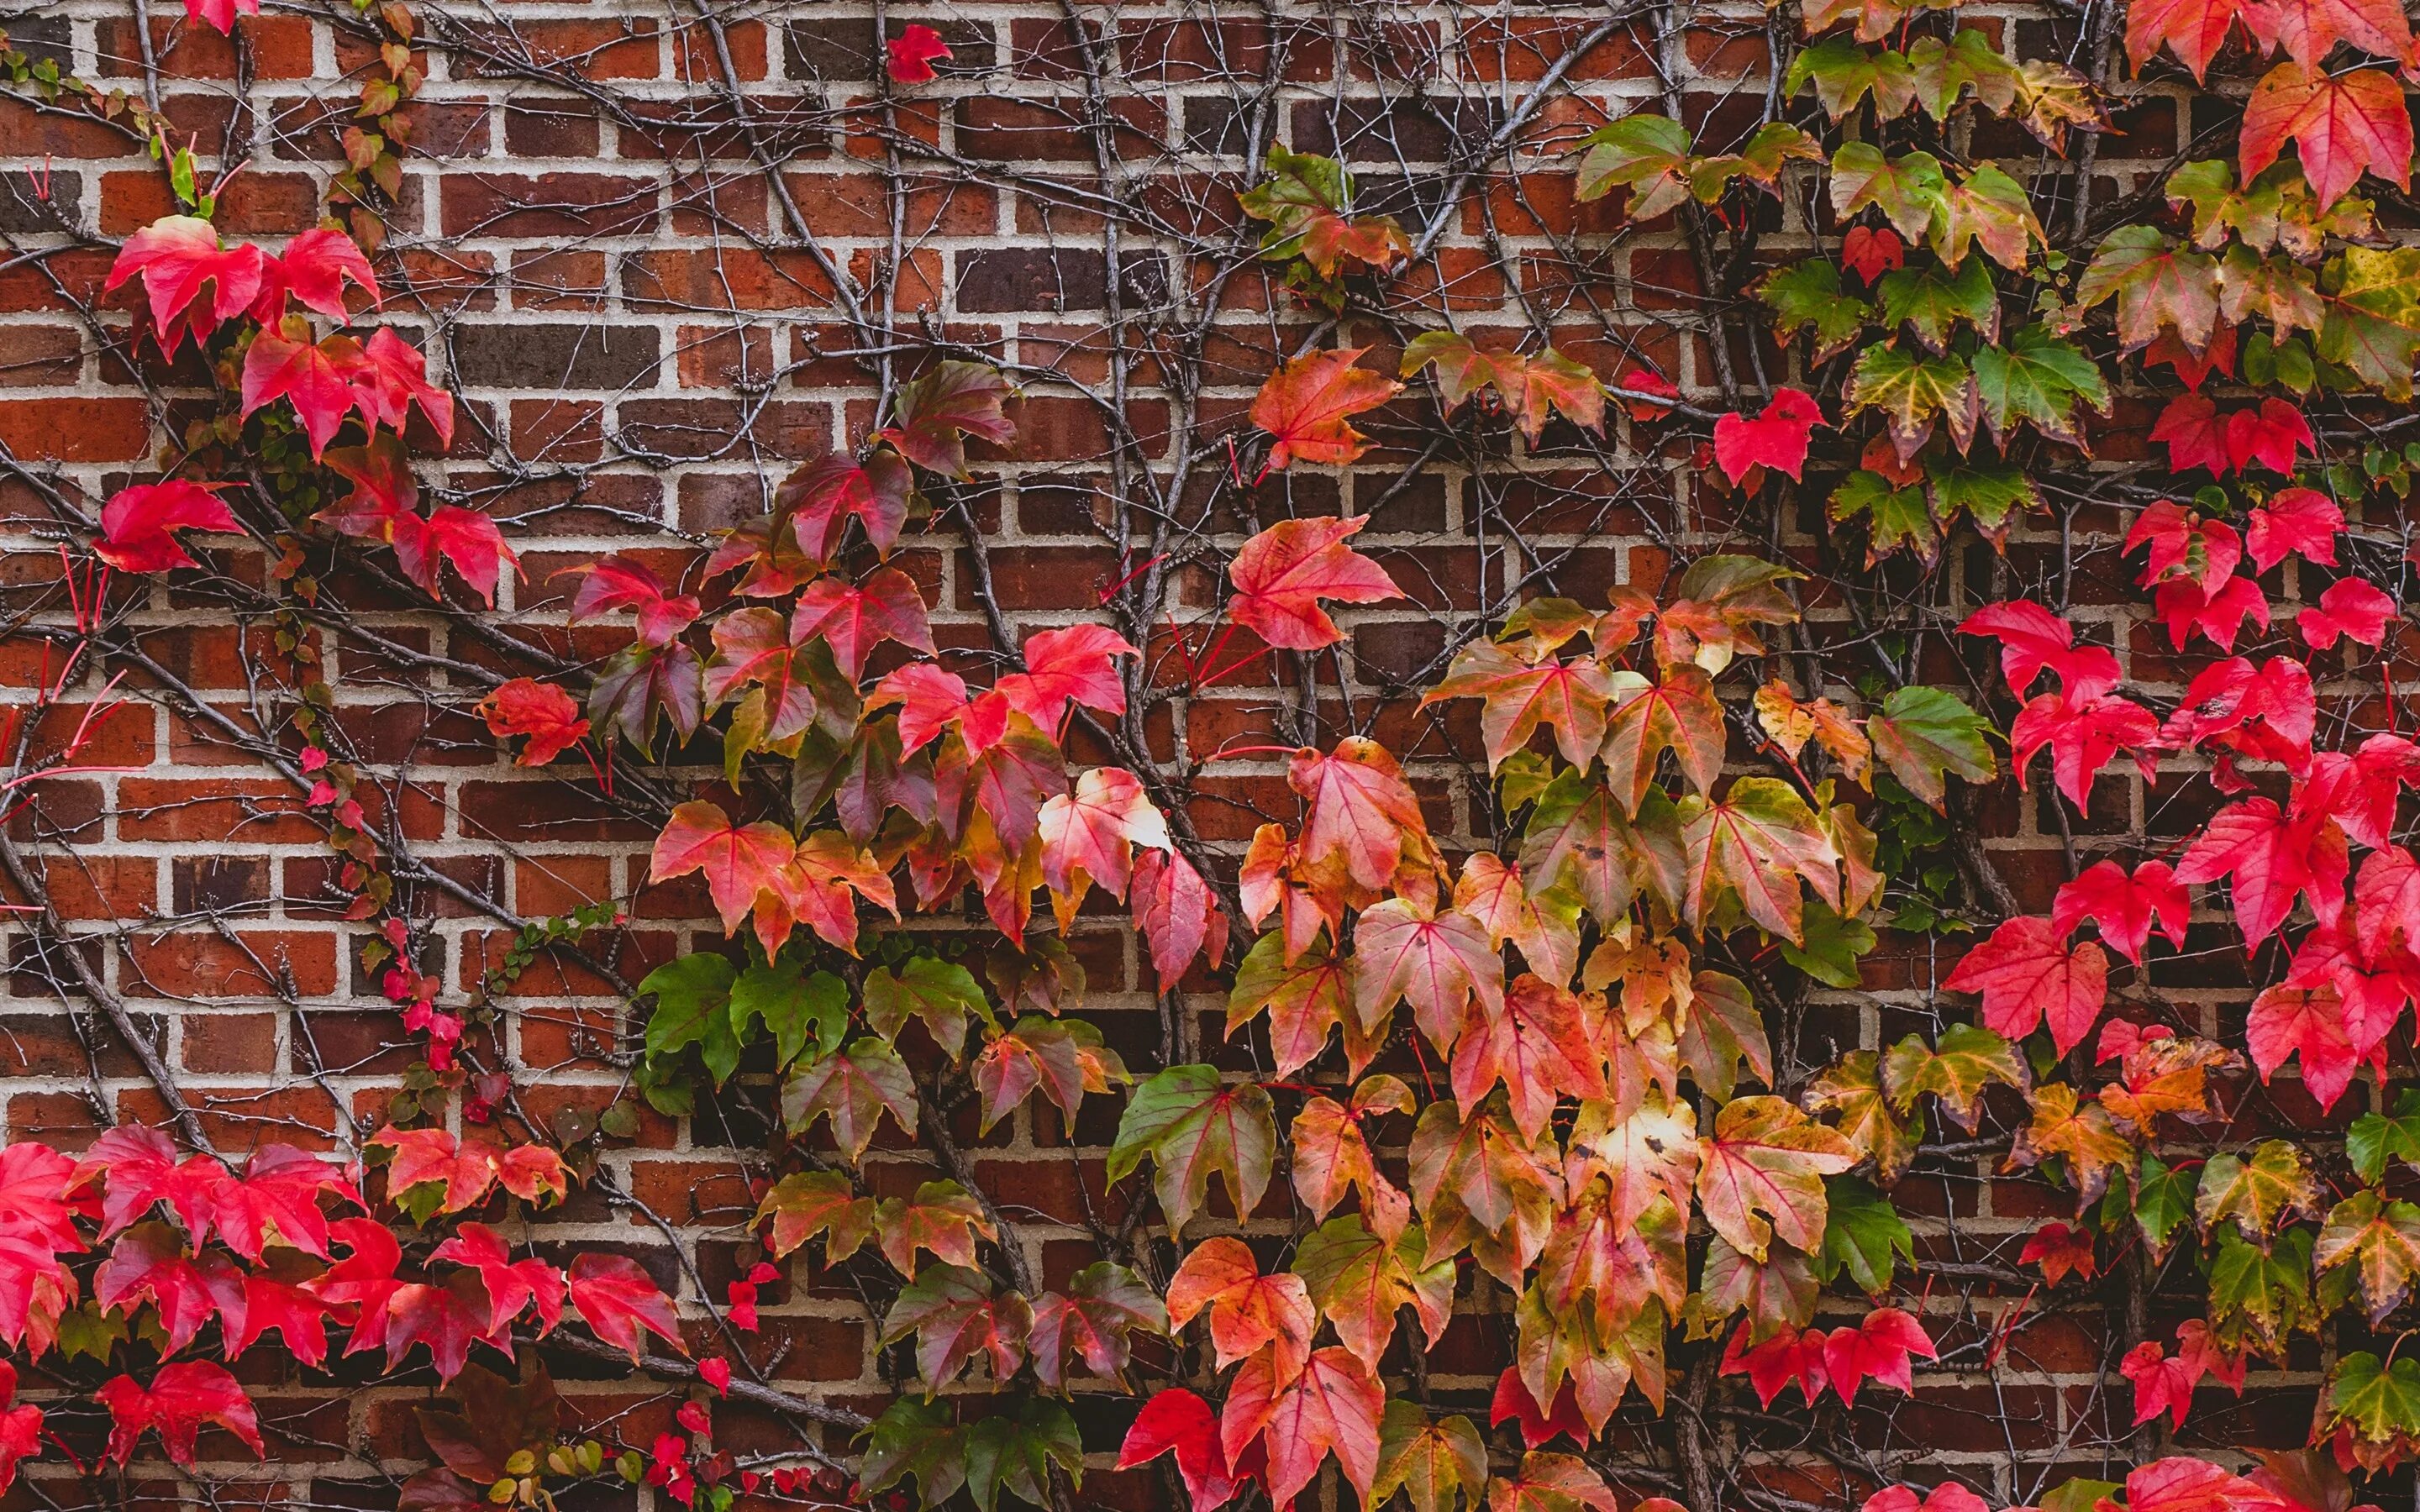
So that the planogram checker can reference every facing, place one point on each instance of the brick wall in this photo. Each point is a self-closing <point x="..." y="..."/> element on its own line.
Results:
<point x="662" y="255"/>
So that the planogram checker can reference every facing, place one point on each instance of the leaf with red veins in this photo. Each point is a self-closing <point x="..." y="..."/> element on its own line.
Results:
<point x="1270" y="880"/>
<point x="1177" y="913"/>
<point x="284" y="363"/>
<point x="2301" y="520"/>
<point x="1490" y="890"/>
<point x="1091" y="834"/>
<point x="180" y="1400"/>
<point x="1568" y="698"/>
<point x="298" y="1313"/>
<point x="2060" y="1251"/>
<point x="1883" y="1349"/>
<point x="1248" y="1311"/>
<point x="2341" y="124"/>
<point x="149" y="1260"/>
<point x="511" y="1285"/>
<point x="1363" y="817"/>
<point x="1104" y="1303"/>
<point x="136" y="522"/>
<point x="2370" y="784"/>
<point x="1077" y="665"/>
<point x="819" y="886"/>
<point x="1557" y="1483"/>
<point x="617" y="1299"/>
<point x="384" y="494"/>
<point x="1282" y="575"/>
<point x="2386" y="901"/>
<point x="929" y="702"/>
<point x="933" y="414"/>
<point x="432" y="1155"/>
<point x="739" y="861"/>
<point x="2083" y="734"/>
<point x="752" y="646"/>
<point x="543" y="712"/>
<point x="2032" y="639"/>
<point x="448" y="1317"/>
<point x="2271" y="435"/>
<point x="315" y="267"/>
<point x="176" y="257"/>
<point x="2184" y="1484"/>
<point x="2193" y="30"/>
<point x="1332" y="1157"/>
<point x="1538" y="1045"/>
<point x="2350" y="607"/>
<point x="142" y="1171"/>
<point x="823" y="496"/>
<point x="1307" y="407"/>
<point x="1307" y="999"/>
<point x="1764" y="845"/>
<point x="277" y="1201"/>
<point x="2124" y="906"/>
<point x="36" y="1204"/>
<point x="34" y="1289"/>
<point x="2269" y="712"/>
<point x="393" y="376"/>
<point x="1760" y="1176"/>
<point x="465" y="537"/>
<point x="20" y="1434"/>
<point x="623" y="581"/>
<point x="955" y="1314"/>
<point x="2026" y="973"/>
<point x="2183" y="545"/>
<point x="911" y="55"/>
<point x="1437" y="960"/>
<point x="1176" y="1421"/>
<point x="2308" y="30"/>
<point x="2269" y="856"/>
<point x="357" y="1286"/>
<point x="853" y="619"/>
<point x="1775" y="439"/>
<point x="1681" y="714"/>
<point x="1332" y="1407"/>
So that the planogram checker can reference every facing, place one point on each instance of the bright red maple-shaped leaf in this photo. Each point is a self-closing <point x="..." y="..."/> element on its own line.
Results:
<point x="1177" y="913"/>
<point x="313" y="268"/>
<point x="2026" y="974"/>
<point x="136" y="523"/>
<point x="2032" y="639"/>
<point x="2268" y="856"/>
<point x="2186" y="610"/>
<point x="1249" y="1312"/>
<point x="181" y="1399"/>
<point x="21" y="1428"/>
<point x="1073" y="665"/>
<point x="299" y="1317"/>
<point x="2266" y="713"/>
<point x="739" y="861"/>
<point x="1869" y="251"/>
<point x="465" y="537"/>
<point x="822" y="497"/>
<point x="543" y="712"/>
<point x="358" y="1287"/>
<point x="912" y="55"/>
<point x="1646" y="381"/>
<point x="2060" y="1251"/>
<point x="623" y="581"/>
<point x="384" y="491"/>
<point x="2083" y="734"/>
<point x="2349" y="607"/>
<point x="854" y="618"/>
<point x="390" y="378"/>
<point x="424" y="1156"/>
<point x="1307" y="406"/>
<point x="2308" y="30"/>
<point x="34" y="1204"/>
<point x="2271" y="434"/>
<point x="2165" y="1382"/>
<point x="1093" y="830"/>
<point x="1790" y="1357"/>
<point x="285" y="363"/>
<point x="176" y="257"/>
<point x="2195" y="433"/>
<point x="2182" y="544"/>
<point x="1513" y="1403"/>
<point x="1332" y="1407"/>
<point x="1363" y="816"/>
<point x="512" y="1286"/>
<point x="2124" y="905"/>
<point x="277" y="1200"/>
<point x="1776" y="439"/>
<point x="617" y="1299"/>
<point x="2294" y="519"/>
<point x="2306" y="1021"/>
<point x="2340" y="124"/>
<point x="1884" y="1347"/>
<point x="2194" y="30"/>
<point x="149" y="1260"/>
<point x="448" y="1317"/>
<point x="1177" y="1421"/>
<point x="1282" y="574"/>
<point x="141" y="1170"/>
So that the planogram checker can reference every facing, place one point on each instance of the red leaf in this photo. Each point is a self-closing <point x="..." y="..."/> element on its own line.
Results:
<point x="1646" y="381"/>
<point x="149" y="1260"/>
<point x="298" y="1315"/>
<point x="932" y="414"/>
<point x="427" y="1155"/>
<point x="359" y="1286"/>
<point x="2194" y="30"/>
<point x="2268" y="714"/>
<point x="448" y="1317"/>
<point x="384" y="491"/>
<point x="142" y="1171"/>
<point x="2124" y="906"/>
<point x="1332" y="1406"/>
<point x="176" y="255"/>
<point x="511" y="1285"/>
<point x="2341" y="124"/>
<point x="2194" y="434"/>
<point x="2026" y="974"/>
<point x="2192" y="368"/>
<point x="277" y="1200"/>
<point x="1775" y="439"/>
<point x="2161" y="1384"/>
<point x="1177" y="914"/>
<point x="739" y="861"/>
<point x="2349" y="607"/>
<point x="2083" y="732"/>
<point x="1075" y="665"/>
<point x="2286" y="1021"/>
<point x="20" y="1434"/>
<point x="1513" y="1403"/>
<point x="2032" y="637"/>
<point x="2310" y="29"/>
<point x="181" y="1399"/>
<point x="1884" y="1347"/>
<point x="853" y="620"/>
<point x="1869" y="251"/>
<point x="2186" y="608"/>
<point x="620" y="581"/>
<point x="2269" y="435"/>
<point x="1772" y="1367"/>
<point x="930" y="701"/>
<point x="822" y="497"/>
<point x="617" y="1299"/>
<point x="286" y="364"/>
<point x="1282" y="574"/>
<point x="912" y="52"/>
<point x="2269" y="856"/>
<point x="35" y="1180"/>
<point x="392" y="375"/>
<point x="1362" y="813"/>
<point x="313" y="269"/>
<point x="2183" y="545"/>
<point x="464" y="537"/>
<point x="2295" y="519"/>
<point x="2186" y="1485"/>
<point x="541" y="711"/>
<point x="531" y="1171"/>
<point x="1307" y="407"/>
<point x="1177" y="1421"/>
<point x="2060" y="1250"/>
<point x="136" y="522"/>
<point x="219" y="15"/>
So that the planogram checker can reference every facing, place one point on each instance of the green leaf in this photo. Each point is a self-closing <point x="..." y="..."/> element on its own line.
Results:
<point x="1014" y="1453"/>
<point x="942" y="993"/>
<point x="1428" y="1462"/>
<point x="797" y="1009"/>
<point x="1831" y="947"/>
<point x="1935" y="304"/>
<point x="1942" y="71"/>
<point x="1988" y="494"/>
<point x="1642" y="152"/>
<point x="2079" y="1495"/>
<point x="1911" y="391"/>
<point x="1896" y="517"/>
<point x="2253" y="1194"/>
<point x="1923" y="733"/>
<point x="1908" y="190"/>
<point x="917" y="1439"/>
<point x="2378" y="1403"/>
<point x="1844" y="72"/>
<point x="2163" y="1202"/>
<point x="2376" y="1139"/>
<point x="1807" y="295"/>
<point x="2038" y="379"/>
<point x="1864" y="1236"/>
<point x="2259" y="1298"/>
<point x="1191" y="1126"/>
<point x="692" y="1002"/>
